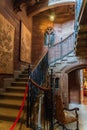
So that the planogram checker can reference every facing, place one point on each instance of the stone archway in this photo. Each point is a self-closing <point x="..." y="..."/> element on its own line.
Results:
<point x="64" y="80"/>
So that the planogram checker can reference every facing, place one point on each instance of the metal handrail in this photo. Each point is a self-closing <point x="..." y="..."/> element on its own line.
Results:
<point x="61" y="49"/>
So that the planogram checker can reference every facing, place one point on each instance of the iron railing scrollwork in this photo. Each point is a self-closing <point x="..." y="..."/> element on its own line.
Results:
<point x="41" y="104"/>
<point x="37" y="75"/>
<point x="36" y="119"/>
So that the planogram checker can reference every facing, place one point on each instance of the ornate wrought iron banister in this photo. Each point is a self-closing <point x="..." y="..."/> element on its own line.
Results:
<point x="36" y="105"/>
<point x="38" y="76"/>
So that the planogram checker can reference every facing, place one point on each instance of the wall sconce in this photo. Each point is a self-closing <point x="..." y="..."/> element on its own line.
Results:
<point x="52" y="16"/>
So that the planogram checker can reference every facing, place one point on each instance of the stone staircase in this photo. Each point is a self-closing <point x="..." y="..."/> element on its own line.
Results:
<point x="10" y="103"/>
<point x="59" y="65"/>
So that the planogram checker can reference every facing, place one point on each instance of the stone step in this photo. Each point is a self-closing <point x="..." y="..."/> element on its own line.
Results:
<point x="58" y="68"/>
<point x="23" y="75"/>
<point x="72" y="59"/>
<point x="64" y="59"/>
<point x="19" y="83"/>
<point x="26" y="69"/>
<point x="71" y="55"/>
<point x="6" y="125"/>
<point x="16" y="89"/>
<point x="9" y="103"/>
<point x="8" y="114"/>
<point x="13" y="95"/>
<point x="71" y="62"/>
<point x="25" y="128"/>
<point x="22" y="79"/>
<point x="25" y="72"/>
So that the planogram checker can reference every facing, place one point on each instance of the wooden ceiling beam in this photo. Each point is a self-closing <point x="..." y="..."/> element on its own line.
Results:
<point x="82" y="28"/>
<point x="58" y="18"/>
<point x="81" y="54"/>
<point x="34" y="7"/>
<point x="81" y="49"/>
<point x="62" y="20"/>
<point x="81" y="45"/>
<point x="31" y="5"/>
<point x="82" y="36"/>
<point x="81" y="40"/>
<point x="46" y="7"/>
<point x="31" y="9"/>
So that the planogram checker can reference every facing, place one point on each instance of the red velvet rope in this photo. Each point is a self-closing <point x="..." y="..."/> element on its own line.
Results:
<point x="23" y="102"/>
<point x="21" y="108"/>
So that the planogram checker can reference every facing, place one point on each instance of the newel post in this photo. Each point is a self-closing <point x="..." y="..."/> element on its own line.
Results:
<point x="52" y="105"/>
<point x="28" y="99"/>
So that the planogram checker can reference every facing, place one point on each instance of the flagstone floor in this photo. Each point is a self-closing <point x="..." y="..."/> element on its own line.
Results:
<point x="82" y="119"/>
<point x="82" y="115"/>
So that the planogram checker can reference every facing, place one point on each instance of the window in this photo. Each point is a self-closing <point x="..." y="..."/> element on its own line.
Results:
<point x="49" y="37"/>
<point x="51" y="2"/>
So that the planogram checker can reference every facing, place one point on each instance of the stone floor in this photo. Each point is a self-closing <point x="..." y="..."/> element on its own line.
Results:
<point x="82" y="116"/>
<point x="5" y="125"/>
<point x="82" y="120"/>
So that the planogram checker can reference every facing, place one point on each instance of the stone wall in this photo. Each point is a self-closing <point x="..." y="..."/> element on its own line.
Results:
<point x="40" y="24"/>
<point x="6" y="9"/>
<point x="70" y="82"/>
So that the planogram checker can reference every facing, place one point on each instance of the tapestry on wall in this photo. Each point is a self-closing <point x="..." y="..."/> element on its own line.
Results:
<point x="6" y="45"/>
<point x="25" y="54"/>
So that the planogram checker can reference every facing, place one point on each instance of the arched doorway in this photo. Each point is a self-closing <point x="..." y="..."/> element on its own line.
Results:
<point x="74" y="86"/>
<point x="77" y="84"/>
<point x="70" y="84"/>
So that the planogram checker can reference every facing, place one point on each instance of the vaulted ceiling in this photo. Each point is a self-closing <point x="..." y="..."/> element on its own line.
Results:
<point x="64" y="12"/>
<point x="31" y="5"/>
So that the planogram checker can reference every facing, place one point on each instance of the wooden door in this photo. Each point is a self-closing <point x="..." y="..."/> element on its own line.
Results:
<point x="74" y="86"/>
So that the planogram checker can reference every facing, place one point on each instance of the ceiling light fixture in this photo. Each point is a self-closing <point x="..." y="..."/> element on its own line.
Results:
<point x="52" y="16"/>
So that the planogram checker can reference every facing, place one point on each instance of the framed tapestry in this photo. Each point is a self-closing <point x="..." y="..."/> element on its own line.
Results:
<point x="6" y="45"/>
<point x="25" y="51"/>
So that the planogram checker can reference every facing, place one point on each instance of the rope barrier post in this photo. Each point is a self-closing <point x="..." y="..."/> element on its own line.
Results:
<point x="28" y="99"/>
<point x="52" y="109"/>
<point x="20" y="111"/>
